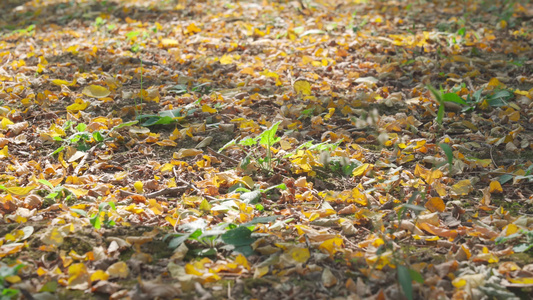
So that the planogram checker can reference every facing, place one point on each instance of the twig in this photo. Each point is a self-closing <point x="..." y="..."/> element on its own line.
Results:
<point x="82" y="162"/>
<point x="192" y="186"/>
<point x="231" y="160"/>
<point x="492" y="158"/>
<point x="166" y="191"/>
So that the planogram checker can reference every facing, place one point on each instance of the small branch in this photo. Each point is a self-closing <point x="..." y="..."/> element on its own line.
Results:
<point x="220" y="155"/>
<point x="192" y="186"/>
<point x="167" y="191"/>
<point x="84" y="159"/>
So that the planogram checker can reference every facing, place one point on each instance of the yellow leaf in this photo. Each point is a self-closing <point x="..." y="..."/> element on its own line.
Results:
<point x="503" y="24"/>
<point x="167" y="143"/>
<point x="360" y="170"/>
<point x="138" y="186"/>
<point x="20" y="191"/>
<point x="226" y="60"/>
<point x="12" y="279"/>
<point x="53" y="237"/>
<point x="242" y="261"/>
<point x="495" y="83"/>
<point x="462" y="188"/>
<point x="495" y="187"/>
<point x="192" y="28"/>
<point x="186" y="152"/>
<point x="435" y="204"/>
<point x="510" y="229"/>
<point x="78" y="276"/>
<point x="332" y="245"/>
<point x="205" y="205"/>
<point x="4" y="152"/>
<point x="207" y="108"/>
<point x="459" y="283"/>
<point x="78" y="105"/>
<point x="60" y="82"/>
<point x="166" y="168"/>
<point x="99" y="275"/>
<point x="155" y="207"/>
<point x="302" y="87"/>
<point x="78" y="192"/>
<point x="169" y="43"/>
<point x="95" y="91"/>
<point x="268" y="73"/>
<point x="521" y="280"/>
<point x="171" y="221"/>
<point x="118" y="270"/>
<point x="300" y="255"/>
<point x="5" y="122"/>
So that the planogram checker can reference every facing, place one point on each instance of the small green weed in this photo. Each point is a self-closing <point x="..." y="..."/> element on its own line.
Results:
<point x="266" y="139"/>
<point x="7" y="272"/>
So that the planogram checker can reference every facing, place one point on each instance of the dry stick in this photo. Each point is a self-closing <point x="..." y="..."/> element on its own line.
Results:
<point x="82" y="162"/>
<point x="191" y="185"/>
<point x="166" y="191"/>
<point x="231" y="160"/>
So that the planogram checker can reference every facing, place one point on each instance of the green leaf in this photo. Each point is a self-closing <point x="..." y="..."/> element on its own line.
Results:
<point x="81" y="127"/>
<point x="453" y="97"/>
<point x="46" y="182"/>
<point x="204" y="252"/>
<point x="268" y="137"/>
<point x="50" y="286"/>
<point x="281" y="186"/>
<point x="505" y="178"/>
<point x="95" y="221"/>
<point x="260" y="220"/>
<point x="436" y="94"/>
<point x="230" y="143"/>
<point x="178" y="240"/>
<point x="132" y="34"/>
<point x="449" y="153"/>
<point x="240" y="236"/>
<point x="124" y="125"/>
<point x="97" y="136"/>
<point x="199" y="224"/>
<point x="248" y="141"/>
<point x="406" y="282"/>
<point x="477" y="96"/>
<point x="156" y="120"/>
<point x="440" y="114"/>
<point x="522" y="247"/>
<point x="58" y="150"/>
<point x="80" y="212"/>
<point x="416" y="276"/>
<point x="251" y="197"/>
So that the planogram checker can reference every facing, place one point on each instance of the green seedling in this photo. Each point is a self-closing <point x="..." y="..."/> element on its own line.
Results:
<point x="83" y="140"/>
<point x="252" y="196"/>
<point x="99" y="22"/>
<point x="441" y="98"/>
<point x="496" y="98"/>
<point x="101" y="217"/>
<point x="527" y="175"/>
<point x="522" y="247"/>
<point x="58" y="192"/>
<point x="238" y="238"/>
<point x="449" y="154"/>
<point x="7" y="293"/>
<point x="266" y="139"/>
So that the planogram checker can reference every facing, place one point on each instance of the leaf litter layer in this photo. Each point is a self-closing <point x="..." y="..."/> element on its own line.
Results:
<point x="266" y="149"/>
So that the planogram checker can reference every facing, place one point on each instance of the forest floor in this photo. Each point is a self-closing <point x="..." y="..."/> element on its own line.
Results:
<point x="266" y="149"/>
